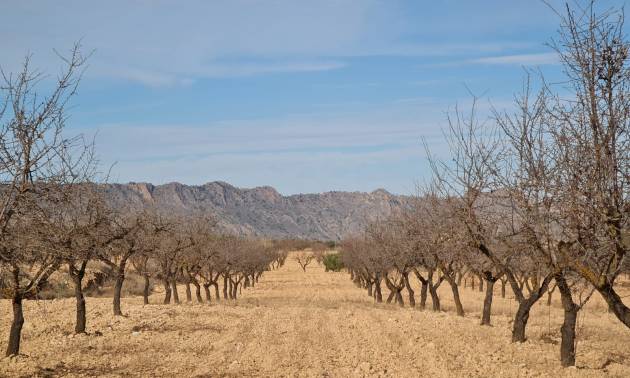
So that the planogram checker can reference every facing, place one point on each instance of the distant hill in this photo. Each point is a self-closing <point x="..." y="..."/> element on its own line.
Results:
<point x="262" y="211"/>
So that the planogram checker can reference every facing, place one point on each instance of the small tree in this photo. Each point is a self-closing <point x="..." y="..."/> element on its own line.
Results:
<point x="37" y="161"/>
<point x="304" y="258"/>
<point x="332" y="262"/>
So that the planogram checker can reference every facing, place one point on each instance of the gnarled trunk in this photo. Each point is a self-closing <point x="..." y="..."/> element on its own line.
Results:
<point x="217" y="294"/>
<point x="615" y="304"/>
<point x="394" y="292"/>
<point x="455" y="289"/>
<point x="79" y="326"/>
<point x="378" y="295"/>
<point x="15" y="335"/>
<point x="435" y="298"/>
<point x="412" y="299"/>
<point x="524" y="307"/>
<point x="206" y="288"/>
<point x="225" y="287"/>
<point x="423" y="294"/>
<point x="120" y="279"/>
<point x="487" y="303"/>
<point x="146" y="290"/>
<point x="423" y="288"/>
<point x="77" y="274"/>
<point x="235" y="285"/>
<point x="174" y="290"/>
<point x="188" y="292"/>
<point x="197" y="290"/>
<point x="567" y="343"/>
<point x="167" y="291"/>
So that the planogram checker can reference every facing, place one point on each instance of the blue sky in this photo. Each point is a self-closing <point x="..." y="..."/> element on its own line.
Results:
<point x="305" y="96"/>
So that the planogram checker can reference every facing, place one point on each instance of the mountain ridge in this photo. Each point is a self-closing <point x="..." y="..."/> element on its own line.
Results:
<point x="262" y="211"/>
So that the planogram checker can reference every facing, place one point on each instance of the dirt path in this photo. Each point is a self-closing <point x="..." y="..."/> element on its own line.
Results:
<point x="303" y="324"/>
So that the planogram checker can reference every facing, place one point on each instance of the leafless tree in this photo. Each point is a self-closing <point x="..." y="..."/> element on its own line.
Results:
<point x="303" y="258"/>
<point x="37" y="160"/>
<point x="127" y="233"/>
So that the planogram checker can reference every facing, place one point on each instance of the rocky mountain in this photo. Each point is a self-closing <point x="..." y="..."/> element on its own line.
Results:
<point x="262" y="211"/>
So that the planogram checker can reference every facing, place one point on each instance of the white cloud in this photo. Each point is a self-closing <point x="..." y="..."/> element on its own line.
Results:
<point x="169" y="79"/>
<point x="520" y="59"/>
<point x="165" y="43"/>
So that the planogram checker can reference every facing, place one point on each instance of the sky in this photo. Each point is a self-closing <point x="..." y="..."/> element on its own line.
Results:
<point x="304" y="96"/>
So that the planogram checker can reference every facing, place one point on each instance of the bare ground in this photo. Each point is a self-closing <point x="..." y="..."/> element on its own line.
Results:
<point x="307" y="324"/>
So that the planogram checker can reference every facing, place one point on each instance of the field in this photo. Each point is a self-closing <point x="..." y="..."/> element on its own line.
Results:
<point x="311" y="323"/>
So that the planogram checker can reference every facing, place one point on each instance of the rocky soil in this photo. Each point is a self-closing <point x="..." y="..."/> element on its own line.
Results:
<point x="312" y="324"/>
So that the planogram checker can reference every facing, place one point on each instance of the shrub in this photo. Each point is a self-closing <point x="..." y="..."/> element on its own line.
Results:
<point x="332" y="262"/>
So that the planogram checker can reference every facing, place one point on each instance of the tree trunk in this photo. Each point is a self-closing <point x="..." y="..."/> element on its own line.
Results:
<point x="369" y="289"/>
<point x="423" y="294"/>
<point x="146" y="290"/>
<point x="390" y="297"/>
<point x="455" y="289"/>
<point x="434" y="298"/>
<point x="174" y="290"/>
<point x="615" y="304"/>
<point x="480" y="284"/>
<point x="235" y="286"/>
<point x="188" y="292"/>
<point x="458" y="279"/>
<point x="399" y="298"/>
<point x="567" y="344"/>
<point x="225" y="287"/>
<point x="458" y="303"/>
<point x="524" y="306"/>
<point x="77" y="274"/>
<point x="217" y="294"/>
<point x="167" y="291"/>
<point x="120" y="279"/>
<point x="197" y="291"/>
<point x="503" y="283"/>
<point x="246" y="282"/>
<point x="423" y="288"/>
<point x="378" y="295"/>
<point x="13" y="348"/>
<point x="394" y="292"/>
<point x="206" y="288"/>
<point x="79" y="326"/>
<point x="487" y="303"/>
<point x="412" y="299"/>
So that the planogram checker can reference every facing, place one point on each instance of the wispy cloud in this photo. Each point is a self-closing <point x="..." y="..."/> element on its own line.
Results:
<point x="160" y="43"/>
<point x="156" y="78"/>
<point x="519" y="59"/>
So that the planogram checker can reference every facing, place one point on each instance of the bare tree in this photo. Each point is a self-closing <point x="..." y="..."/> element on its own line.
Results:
<point x="36" y="161"/>
<point x="303" y="258"/>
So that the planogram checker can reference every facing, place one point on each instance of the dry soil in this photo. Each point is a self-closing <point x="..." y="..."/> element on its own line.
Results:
<point x="311" y="323"/>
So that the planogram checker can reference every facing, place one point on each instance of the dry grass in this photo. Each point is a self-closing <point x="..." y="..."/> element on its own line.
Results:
<point x="307" y="324"/>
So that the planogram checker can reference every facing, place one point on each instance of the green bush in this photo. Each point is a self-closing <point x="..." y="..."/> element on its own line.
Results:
<point x="332" y="262"/>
